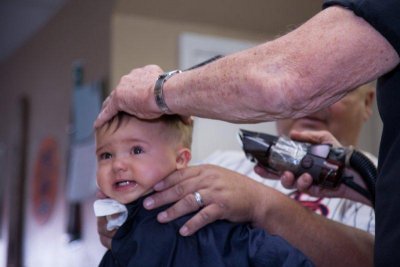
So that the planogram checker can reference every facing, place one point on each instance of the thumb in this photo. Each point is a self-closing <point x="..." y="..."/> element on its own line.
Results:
<point x="105" y="115"/>
<point x="101" y="195"/>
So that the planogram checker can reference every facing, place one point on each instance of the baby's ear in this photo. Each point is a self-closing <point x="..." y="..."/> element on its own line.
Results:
<point x="183" y="158"/>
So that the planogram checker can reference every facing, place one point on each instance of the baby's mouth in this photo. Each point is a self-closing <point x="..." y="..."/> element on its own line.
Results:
<point x="124" y="183"/>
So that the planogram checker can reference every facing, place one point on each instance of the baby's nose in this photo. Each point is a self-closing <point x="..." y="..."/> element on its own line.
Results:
<point x="120" y="164"/>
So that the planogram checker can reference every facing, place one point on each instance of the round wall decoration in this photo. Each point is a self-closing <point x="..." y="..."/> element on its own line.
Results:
<point x="45" y="180"/>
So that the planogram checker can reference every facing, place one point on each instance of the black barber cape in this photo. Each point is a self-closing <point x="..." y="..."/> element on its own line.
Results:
<point x="143" y="242"/>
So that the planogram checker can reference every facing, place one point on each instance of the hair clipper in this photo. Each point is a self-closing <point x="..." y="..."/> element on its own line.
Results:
<point x="323" y="162"/>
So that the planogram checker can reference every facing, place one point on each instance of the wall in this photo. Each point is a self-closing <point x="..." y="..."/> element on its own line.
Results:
<point x="41" y="71"/>
<point x="139" y="40"/>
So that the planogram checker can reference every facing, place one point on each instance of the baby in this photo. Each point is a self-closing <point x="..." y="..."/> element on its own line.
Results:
<point x="133" y="155"/>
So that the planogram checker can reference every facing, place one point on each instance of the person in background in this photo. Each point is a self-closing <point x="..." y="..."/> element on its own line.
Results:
<point x="349" y="43"/>
<point x="133" y="155"/>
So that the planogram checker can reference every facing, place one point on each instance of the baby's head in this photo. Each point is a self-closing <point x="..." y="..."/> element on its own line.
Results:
<point x="133" y="154"/>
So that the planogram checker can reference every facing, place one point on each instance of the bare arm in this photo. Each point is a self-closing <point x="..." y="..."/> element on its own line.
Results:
<point x="311" y="67"/>
<point x="298" y="73"/>
<point x="232" y="196"/>
<point x="326" y="242"/>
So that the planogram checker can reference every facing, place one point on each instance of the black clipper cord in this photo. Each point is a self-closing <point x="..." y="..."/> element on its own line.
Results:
<point x="367" y="170"/>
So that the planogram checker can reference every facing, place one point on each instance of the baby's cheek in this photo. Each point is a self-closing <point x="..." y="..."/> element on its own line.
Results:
<point x="155" y="174"/>
<point x="103" y="181"/>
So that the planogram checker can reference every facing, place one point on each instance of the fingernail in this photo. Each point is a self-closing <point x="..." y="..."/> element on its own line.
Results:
<point x="184" y="231"/>
<point x="96" y="122"/>
<point x="159" y="186"/>
<point x="148" y="202"/>
<point x="162" y="216"/>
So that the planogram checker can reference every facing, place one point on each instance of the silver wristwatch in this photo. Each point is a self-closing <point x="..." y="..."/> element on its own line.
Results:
<point x="158" y="90"/>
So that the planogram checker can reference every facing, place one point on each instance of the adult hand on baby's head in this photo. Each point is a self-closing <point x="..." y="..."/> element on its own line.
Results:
<point x="134" y="94"/>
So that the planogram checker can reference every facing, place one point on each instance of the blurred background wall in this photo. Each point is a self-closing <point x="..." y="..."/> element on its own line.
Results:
<point x="109" y="37"/>
<point x="40" y="73"/>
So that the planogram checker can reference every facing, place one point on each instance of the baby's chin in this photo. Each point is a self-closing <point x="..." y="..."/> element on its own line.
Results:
<point x="129" y="198"/>
<point x="126" y="200"/>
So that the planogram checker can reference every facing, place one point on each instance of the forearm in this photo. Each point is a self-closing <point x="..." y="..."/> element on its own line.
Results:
<point x="326" y="242"/>
<point x="311" y="67"/>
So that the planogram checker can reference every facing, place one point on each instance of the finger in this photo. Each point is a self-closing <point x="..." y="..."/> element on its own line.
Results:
<point x="102" y="227"/>
<point x="260" y="171"/>
<point x="288" y="180"/>
<point x="109" y="110"/>
<point x="315" y="137"/>
<point x="174" y="187"/>
<point x="106" y="102"/>
<point x="105" y="235"/>
<point x="106" y="242"/>
<point x="99" y="122"/>
<point x="101" y="195"/>
<point x="177" y="177"/>
<point x="184" y="206"/>
<point x="104" y="116"/>
<point x="304" y="182"/>
<point x="183" y="189"/>
<point x="205" y="216"/>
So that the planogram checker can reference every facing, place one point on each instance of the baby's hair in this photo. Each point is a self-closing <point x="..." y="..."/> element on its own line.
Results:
<point x="180" y="131"/>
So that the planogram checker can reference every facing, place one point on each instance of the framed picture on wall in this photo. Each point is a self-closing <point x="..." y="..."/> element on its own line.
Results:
<point x="195" y="48"/>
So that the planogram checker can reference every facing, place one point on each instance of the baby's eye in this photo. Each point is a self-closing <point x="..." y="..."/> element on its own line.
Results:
<point x="105" y="155"/>
<point x="136" y="150"/>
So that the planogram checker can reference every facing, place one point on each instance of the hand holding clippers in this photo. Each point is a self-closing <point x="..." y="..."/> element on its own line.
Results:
<point x="323" y="162"/>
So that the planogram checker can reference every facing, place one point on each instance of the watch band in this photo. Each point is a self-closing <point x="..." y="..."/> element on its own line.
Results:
<point x="158" y="90"/>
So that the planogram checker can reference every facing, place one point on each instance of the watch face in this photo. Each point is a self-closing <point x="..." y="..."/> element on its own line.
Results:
<point x="158" y="90"/>
<point x="158" y="94"/>
<point x="160" y="103"/>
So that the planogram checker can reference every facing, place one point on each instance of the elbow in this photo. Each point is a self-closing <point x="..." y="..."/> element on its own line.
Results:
<point x="281" y="94"/>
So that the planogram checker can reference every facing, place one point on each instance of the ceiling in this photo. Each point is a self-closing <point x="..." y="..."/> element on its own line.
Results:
<point x="20" y="19"/>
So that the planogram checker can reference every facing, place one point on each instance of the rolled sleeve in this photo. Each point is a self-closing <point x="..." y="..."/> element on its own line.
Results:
<point x="383" y="15"/>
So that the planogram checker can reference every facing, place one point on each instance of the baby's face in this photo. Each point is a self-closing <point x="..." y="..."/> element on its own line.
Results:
<point x="132" y="159"/>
